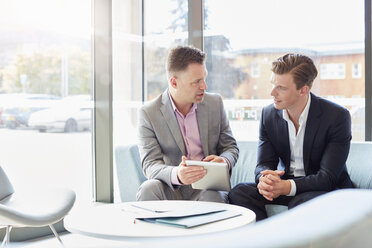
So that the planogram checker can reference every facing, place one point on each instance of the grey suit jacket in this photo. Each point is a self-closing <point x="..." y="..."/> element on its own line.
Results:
<point x="161" y="144"/>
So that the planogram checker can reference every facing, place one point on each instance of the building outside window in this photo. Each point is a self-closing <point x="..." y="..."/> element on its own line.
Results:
<point x="255" y="70"/>
<point x="332" y="71"/>
<point x="264" y="31"/>
<point x="356" y="70"/>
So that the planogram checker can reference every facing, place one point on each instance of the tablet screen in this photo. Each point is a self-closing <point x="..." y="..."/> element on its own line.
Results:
<point x="217" y="177"/>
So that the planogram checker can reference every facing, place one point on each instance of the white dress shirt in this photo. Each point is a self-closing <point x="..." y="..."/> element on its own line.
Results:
<point x="296" y="144"/>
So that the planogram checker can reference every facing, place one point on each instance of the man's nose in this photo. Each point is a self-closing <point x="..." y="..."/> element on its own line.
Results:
<point x="273" y="92"/>
<point x="203" y="85"/>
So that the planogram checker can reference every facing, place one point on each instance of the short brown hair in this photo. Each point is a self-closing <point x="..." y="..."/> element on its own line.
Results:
<point x="301" y="67"/>
<point x="181" y="56"/>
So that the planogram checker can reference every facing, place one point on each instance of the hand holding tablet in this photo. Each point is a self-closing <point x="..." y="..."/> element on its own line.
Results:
<point x="217" y="177"/>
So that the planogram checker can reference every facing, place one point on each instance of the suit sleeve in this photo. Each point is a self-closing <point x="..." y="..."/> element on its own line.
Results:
<point x="334" y="157"/>
<point x="151" y="154"/>
<point x="267" y="158"/>
<point x="227" y="146"/>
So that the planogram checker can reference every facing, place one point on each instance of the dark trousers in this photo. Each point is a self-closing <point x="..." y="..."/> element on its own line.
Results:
<point x="247" y="195"/>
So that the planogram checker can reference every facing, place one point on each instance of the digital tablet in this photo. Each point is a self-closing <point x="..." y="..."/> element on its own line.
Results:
<point x="217" y="177"/>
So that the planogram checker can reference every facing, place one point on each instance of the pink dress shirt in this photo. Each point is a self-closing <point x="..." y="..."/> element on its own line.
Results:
<point x="191" y="136"/>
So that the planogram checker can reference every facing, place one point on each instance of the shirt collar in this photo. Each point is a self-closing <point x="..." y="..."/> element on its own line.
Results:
<point x="193" y="108"/>
<point x="304" y="114"/>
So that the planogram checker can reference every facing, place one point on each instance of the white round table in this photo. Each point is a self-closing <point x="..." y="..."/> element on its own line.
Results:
<point x="116" y="221"/>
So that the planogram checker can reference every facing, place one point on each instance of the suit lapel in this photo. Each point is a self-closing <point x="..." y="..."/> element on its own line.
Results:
<point x="312" y="126"/>
<point x="202" y="115"/>
<point x="171" y="120"/>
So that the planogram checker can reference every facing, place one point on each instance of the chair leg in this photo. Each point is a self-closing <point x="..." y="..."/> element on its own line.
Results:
<point x="7" y="237"/>
<point x="56" y="234"/>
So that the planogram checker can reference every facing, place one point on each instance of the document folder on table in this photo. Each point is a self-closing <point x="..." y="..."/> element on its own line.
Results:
<point x="193" y="221"/>
<point x="184" y="217"/>
<point x="180" y="211"/>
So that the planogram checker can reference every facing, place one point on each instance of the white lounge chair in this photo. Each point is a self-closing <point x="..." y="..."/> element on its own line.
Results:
<point x="39" y="208"/>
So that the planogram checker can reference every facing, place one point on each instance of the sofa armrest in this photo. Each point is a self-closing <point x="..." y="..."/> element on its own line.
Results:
<point x="129" y="171"/>
<point x="359" y="164"/>
<point x="342" y="218"/>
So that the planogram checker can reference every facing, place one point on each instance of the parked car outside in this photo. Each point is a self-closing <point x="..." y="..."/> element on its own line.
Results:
<point x="5" y="102"/>
<point x="3" y="98"/>
<point x="70" y="114"/>
<point x="17" y="108"/>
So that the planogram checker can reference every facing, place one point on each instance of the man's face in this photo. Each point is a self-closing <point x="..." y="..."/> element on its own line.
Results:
<point x="190" y="84"/>
<point x="284" y="92"/>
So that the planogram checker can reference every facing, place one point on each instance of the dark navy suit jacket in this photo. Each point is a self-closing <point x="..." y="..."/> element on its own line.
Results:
<point x="326" y="146"/>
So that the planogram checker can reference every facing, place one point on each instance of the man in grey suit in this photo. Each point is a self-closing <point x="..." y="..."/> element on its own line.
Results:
<point x="185" y="122"/>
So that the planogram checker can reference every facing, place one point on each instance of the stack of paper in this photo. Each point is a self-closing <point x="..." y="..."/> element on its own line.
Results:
<point x="185" y="217"/>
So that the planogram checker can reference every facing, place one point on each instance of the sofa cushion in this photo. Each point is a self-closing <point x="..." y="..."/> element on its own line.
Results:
<point x="243" y="170"/>
<point x="273" y="209"/>
<point x="359" y="164"/>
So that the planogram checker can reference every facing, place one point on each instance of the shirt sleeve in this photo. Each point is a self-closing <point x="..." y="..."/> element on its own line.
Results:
<point x="174" y="177"/>
<point x="293" y="188"/>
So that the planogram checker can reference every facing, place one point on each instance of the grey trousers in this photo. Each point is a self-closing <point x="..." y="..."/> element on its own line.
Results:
<point x="153" y="189"/>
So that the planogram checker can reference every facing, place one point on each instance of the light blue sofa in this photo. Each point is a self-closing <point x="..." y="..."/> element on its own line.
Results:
<point x="130" y="176"/>
<point x="342" y="218"/>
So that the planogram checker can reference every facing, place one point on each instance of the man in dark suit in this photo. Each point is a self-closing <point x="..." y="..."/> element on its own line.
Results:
<point x="304" y="142"/>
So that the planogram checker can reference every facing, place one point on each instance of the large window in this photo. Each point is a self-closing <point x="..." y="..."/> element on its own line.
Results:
<point x="45" y="94"/>
<point x="243" y="39"/>
<point x="139" y="55"/>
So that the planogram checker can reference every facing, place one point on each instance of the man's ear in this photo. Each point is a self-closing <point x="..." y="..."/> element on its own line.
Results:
<point x="304" y="90"/>
<point x="173" y="82"/>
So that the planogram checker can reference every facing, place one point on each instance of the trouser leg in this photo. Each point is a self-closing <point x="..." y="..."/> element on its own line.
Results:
<point x="153" y="190"/>
<point x="304" y="197"/>
<point x="210" y="196"/>
<point x="247" y="195"/>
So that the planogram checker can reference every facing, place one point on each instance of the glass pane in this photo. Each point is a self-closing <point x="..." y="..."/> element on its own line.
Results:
<point x="243" y="39"/>
<point x="127" y="78"/>
<point x="165" y="25"/>
<point x="45" y="100"/>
